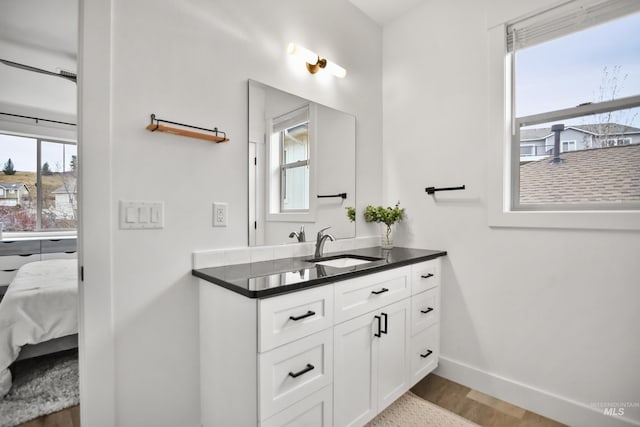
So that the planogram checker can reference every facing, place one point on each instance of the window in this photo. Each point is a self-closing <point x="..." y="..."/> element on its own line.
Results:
<point x="619" y="141"/>
<point x="38" y="189"/>
<point x="578" y="89"/>
<point x="294" y="167"/>
<point x="568" y="146"/>
<point x="290" y="183"/>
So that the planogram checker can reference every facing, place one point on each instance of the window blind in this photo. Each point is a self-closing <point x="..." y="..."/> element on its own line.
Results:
<point x="567" y="18"/>
<point x="291" y="119"/>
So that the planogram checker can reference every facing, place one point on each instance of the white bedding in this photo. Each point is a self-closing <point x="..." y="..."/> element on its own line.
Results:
<point x="40" y="304"/>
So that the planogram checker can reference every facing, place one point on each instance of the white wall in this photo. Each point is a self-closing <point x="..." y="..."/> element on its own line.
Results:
<point x="546" y="319"/>
<point x="189" y="61"/>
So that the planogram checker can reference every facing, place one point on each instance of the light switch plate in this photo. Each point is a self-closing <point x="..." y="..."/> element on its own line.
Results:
<point x="141" y="215"/>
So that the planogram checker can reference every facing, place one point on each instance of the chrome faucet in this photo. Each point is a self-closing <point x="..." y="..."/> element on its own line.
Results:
<point x="320" y="239"/>
<point x="299" y="235"/>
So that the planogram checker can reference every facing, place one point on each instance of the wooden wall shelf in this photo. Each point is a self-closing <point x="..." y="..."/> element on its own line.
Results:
<point x="212" y="135"/>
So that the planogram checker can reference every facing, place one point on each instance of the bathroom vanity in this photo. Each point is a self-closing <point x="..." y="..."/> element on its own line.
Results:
<point x="293" y="342"/>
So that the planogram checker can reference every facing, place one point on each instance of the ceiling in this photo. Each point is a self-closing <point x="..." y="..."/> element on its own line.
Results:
<point x="41" y="25"/>
<point x="385" y="11"/>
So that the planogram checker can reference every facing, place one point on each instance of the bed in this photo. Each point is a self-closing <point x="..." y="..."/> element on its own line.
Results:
<point x="38" y="314"/>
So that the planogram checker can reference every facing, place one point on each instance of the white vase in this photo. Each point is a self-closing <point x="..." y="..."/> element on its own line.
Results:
<point x="386" y="235"/>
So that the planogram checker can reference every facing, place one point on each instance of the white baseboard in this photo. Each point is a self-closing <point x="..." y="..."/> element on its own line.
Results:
<point x="542" y="402"/>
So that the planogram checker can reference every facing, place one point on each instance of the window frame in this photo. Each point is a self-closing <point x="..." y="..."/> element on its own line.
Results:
<point x="499" y="157"/>
<point x="39" y="232"/>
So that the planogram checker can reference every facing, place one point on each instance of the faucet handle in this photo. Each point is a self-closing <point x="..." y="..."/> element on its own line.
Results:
<point x="323" y="230"/>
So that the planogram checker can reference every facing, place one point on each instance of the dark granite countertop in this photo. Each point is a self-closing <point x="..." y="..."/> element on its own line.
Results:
<point x="280" y="276"/>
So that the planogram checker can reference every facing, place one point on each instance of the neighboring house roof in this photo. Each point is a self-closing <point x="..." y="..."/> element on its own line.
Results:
<point x="538" y="133"/>
<point x="69" y="188"/>
<point x="13" y="186"/>
<point x="594" y="129"/>
<point x="607" y="128"/>
<point x="603" y="175"/>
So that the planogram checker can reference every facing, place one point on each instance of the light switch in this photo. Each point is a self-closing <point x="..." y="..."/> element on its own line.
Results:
<point x="141" y="215"/>
<point x="131" y="214"/>
<point x="144" y="214"/>
<point x="155" y="214"/>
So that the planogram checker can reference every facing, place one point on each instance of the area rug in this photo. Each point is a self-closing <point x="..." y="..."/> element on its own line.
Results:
<point x="41" y="386"/>
<point x="412" y="411"/>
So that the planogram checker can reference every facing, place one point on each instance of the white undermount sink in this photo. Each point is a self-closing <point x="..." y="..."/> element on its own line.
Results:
<point x="343" y="261"/>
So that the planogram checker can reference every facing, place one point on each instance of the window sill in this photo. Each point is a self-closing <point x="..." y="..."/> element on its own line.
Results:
<point x="580" y="220"/>
<point x="39" y="235"/>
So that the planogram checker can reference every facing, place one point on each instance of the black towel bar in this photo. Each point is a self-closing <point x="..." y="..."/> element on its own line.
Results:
<point x="342" y="195"/>
<point x="431" y="190"/>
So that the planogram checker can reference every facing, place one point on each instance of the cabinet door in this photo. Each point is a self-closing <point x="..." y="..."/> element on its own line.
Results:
<point x="394" y="361"/>
<point x="355" y="371"/>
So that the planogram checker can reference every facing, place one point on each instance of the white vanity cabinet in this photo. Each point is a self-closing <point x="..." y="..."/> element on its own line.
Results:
<point x="331" y="355"/>
<point x="371" y="363"/>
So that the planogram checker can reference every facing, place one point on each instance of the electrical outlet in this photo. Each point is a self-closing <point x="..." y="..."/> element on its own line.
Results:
<point x="220" y="214"/>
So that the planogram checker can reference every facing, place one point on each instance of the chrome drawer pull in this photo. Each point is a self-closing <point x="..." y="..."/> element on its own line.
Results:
<point x="381" y="291"/>
<point x="427" y="276"/>
<point x="309" y="367"/>
<point x="427" y="354"/>
<point x="304" y="316"/>
<point x="428" y="310"/>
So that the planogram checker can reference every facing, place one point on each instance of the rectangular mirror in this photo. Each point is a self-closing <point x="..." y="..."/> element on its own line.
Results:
<point x="302" y="159"/>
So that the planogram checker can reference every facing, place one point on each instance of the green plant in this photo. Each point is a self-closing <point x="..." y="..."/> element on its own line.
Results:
<point x="351" y="213"/>
<point x="388" y="215"/>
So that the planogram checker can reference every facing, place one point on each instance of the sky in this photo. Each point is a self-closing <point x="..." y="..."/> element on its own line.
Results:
<point x="22" y="152"/>
<point x="568" y="71"/>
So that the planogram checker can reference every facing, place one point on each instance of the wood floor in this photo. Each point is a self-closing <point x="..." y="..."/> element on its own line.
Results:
<point x="477" y="407"/>
<point x="470" y="404"/>
<point x="69" y="417"/>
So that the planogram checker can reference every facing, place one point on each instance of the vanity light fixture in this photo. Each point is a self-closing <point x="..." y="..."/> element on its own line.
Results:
<point x="315" y="62"/>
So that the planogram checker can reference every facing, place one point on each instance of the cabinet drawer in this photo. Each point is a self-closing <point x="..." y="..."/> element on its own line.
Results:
<point x="425" y="275"/>
<point x="312" y="411"/>
<point x="291" y="372"/>
<point x="289" y="317"/>
<point x="425" y="349"/>
<point x="60" y="255"/>
<point x="13" y="262"/>
<point x="425" y="309"/>
<point x="19" y="247"/>
<point x="59" y="245"/>
<point x="368" y="293"/>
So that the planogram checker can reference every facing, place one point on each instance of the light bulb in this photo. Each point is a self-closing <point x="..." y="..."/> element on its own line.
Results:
<point x="303" y="53"/>
<point x="335" y="69"/>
